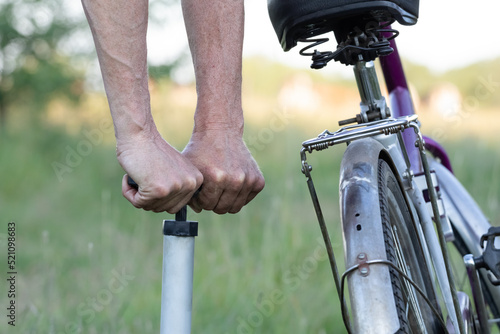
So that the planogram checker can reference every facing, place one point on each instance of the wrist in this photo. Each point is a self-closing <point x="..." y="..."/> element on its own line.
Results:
<point x="223" y="119"/>
<point x="136" y="134"/>
<point x="219" y="125"/>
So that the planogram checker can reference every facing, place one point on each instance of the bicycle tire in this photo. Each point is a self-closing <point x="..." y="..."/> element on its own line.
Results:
<point x="404" y="249"/>
<point x="378" y="223"/>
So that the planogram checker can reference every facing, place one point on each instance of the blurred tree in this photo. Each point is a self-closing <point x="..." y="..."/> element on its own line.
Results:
<point x="164" y="15"/>
<point x="33" y="67"/>
<point x="45" y="48"/>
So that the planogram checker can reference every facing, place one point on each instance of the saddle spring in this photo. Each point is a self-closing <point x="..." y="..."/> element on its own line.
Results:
<point x="360" y="44"/>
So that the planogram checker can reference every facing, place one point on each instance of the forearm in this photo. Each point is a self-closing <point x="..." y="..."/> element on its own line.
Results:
<point x="119" y="29"/>
<point x="215" y="33"/>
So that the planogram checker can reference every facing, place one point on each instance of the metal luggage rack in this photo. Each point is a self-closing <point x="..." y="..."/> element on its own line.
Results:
<point x="359" y="131"/>
<point x="345" y="135"/>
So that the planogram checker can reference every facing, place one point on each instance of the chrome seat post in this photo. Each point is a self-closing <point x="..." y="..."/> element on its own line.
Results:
<point x="372" y="100"/>
<point x="373" y="105"/>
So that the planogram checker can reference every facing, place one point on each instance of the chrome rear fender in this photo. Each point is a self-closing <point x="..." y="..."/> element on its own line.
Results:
<point x="371" y="294"/>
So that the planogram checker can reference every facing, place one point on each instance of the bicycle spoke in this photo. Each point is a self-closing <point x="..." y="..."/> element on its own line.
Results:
<point x="409" y="290"/>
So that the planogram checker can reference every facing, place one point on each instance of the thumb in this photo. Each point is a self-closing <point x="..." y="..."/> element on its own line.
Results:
<point x="128" y="191"/>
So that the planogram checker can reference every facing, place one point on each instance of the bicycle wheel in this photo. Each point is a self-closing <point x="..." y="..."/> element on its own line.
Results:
<point x="469" y="224"/>
<point x="379" y="226"/>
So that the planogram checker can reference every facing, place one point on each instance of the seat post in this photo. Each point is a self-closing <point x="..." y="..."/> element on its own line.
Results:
<point x="373" y="105"/>
<point x="369" y="90"/>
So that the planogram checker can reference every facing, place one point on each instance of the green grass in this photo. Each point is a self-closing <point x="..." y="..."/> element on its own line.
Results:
<point x="260" y="271"/>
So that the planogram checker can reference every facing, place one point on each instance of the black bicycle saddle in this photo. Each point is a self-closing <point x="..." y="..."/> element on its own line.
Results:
<point x="298" y="19"/>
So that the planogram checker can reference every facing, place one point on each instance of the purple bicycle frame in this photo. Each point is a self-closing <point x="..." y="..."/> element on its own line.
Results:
<point x="402" y="105"/>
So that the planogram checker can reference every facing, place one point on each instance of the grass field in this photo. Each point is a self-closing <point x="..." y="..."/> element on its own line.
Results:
<point x="88" y="262"/>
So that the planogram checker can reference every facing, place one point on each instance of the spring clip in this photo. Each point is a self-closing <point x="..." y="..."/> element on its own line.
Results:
<point x="393" y="129"/>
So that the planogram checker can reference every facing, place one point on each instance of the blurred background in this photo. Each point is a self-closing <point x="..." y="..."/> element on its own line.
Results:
<point x="88" y="262"/>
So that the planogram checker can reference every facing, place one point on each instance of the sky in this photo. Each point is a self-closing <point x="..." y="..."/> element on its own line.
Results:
<point x="449" y="34"/>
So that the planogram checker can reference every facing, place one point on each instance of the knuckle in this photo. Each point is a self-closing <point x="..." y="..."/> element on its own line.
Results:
<point x="207" y="203"/>
<point x="239" y="177"/>
<point x="220" y="211"/>
<point x="236" y="181"/>
<point x="192" y="183"/>
<point x="176" y="186"/>
<point x="199" y="180"/>
<point x="234" y="210"/>
<point x="256" y="182"/>
<point x="165" y="190"/>
<point x="172" y="210"/>
<point x="260" y="184"/>
<point x="217" y="175"/>
<point x="161" y="192"/>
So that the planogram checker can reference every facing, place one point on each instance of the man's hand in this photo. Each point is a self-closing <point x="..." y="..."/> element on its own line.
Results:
<point x="231" y="177"/>
<point x="166" y="179"/>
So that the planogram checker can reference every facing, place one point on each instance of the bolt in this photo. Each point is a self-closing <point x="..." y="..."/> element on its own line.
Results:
<point x="364" y="271"/>
<point x="408" y="174"/>
<point x="361" y="256"/>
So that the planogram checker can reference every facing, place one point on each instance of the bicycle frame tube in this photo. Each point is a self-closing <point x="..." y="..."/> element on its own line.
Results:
<point x="400" y="99"/>
<point x="402" y="105"/>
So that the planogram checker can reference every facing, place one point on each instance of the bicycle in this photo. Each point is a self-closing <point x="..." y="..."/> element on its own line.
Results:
<point x="400" y="209"/>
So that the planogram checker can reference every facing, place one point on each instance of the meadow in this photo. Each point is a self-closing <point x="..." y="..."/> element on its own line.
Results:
<point x="88" y="262"/>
